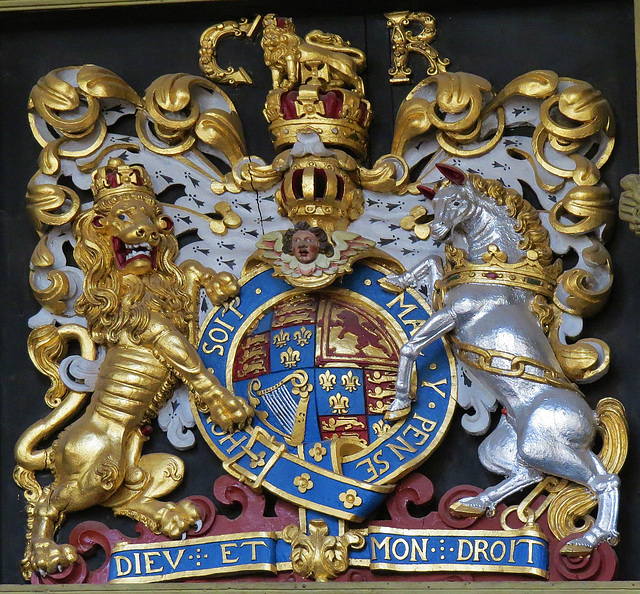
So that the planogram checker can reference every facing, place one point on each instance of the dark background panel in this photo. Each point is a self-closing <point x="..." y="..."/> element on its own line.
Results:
<point x="592" y="41"/>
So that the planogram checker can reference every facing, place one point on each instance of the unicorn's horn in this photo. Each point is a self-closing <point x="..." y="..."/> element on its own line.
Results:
<point x="453" y="174"/>
<point x="427" y="192"/>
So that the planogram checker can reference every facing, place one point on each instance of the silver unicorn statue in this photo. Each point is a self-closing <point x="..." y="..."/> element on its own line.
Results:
<point x="490" y="298"/>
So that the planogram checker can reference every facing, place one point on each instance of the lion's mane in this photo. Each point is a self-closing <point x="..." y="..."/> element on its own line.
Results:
<point x="116" y="305"/>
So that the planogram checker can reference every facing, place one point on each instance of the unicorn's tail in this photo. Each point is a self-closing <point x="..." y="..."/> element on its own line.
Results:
<point x="574" y="502"/>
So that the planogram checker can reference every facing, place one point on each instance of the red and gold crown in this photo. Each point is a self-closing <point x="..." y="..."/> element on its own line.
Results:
<point x="320" y="192"/>
<point x="117" y="178"/>
<point x="339" y="116"/>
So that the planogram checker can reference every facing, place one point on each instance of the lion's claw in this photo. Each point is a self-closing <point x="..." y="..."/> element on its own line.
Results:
<point x="176" y="519"/>
<point x="48" y="557"/>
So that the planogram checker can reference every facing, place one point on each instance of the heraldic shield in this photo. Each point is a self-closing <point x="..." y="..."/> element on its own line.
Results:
<point x="318" y="320"/>
<point x="320" y="368"/>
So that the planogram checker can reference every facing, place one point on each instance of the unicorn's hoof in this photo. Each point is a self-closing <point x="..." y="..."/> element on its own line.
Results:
<point x="394" y="415"/>
<point x="391" y="284"/>
<point x="577" y="548"/>
<point x="459" y="509"/>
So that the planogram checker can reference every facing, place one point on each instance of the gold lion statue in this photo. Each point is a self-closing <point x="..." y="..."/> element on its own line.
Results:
<point x="141" y="307"/>
<point x="320" y="57"/>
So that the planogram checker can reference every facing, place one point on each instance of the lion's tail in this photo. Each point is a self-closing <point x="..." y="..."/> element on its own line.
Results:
<point x="568" y="511"/>
<point x="335" y="43"/>
<point x="47" y="346"/>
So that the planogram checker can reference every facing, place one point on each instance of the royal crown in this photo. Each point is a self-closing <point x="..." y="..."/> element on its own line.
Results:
<point x="529" y="273"/>
<point x="340" y="117"/>
<point x="321" y="193"/>
<point x="117" y="178"/>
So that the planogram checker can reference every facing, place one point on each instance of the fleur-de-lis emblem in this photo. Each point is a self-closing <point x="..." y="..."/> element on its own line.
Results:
<point x="290" y="358"/>
<point x="339" y="404"/>
<point x="281" y="339"/>
<point x="380" y="428"/>
<point x="303" y="482"/>
<point x="327" y="380"/>
<point x="302" y="336"/>
<point x="350" y="381"/>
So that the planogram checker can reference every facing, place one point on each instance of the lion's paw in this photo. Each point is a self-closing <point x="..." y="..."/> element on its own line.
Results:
<point x="49" y="557"/>
<point x="220" y="287"/>
<point x="231" y="412"/>
<point x="176" y="519"/>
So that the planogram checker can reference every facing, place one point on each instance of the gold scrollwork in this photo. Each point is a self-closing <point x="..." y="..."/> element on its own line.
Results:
<point x="50" y="204"/>
<point x="74" y="112"/>
<point x="567" y="120"/>
<point x="390" y="173"/>
<point x="404" y="42"/>
<point x="171" y="121"/>
<point x="209" y="49"/>
<point x="456" y="93"/>
<point x="587" y="207"/>
<point x="318" y="555"/>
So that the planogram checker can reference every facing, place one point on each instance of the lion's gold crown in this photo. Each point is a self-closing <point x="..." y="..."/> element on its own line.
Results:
<point x="117" y="178"/>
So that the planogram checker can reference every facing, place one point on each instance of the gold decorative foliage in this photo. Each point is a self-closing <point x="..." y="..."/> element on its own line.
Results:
<point x="50" y="204"/>
<point x="317" y="555"/>
<point x="584" y="209"/>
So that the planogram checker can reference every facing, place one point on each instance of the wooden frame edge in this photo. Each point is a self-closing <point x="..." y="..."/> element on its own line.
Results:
<point x="27" y="5"/>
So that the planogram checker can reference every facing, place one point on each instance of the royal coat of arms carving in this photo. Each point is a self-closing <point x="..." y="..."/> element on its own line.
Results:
<point x="316" y="320"/>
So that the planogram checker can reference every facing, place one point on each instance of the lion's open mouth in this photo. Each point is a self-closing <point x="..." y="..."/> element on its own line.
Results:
<point x="126" y="252"/>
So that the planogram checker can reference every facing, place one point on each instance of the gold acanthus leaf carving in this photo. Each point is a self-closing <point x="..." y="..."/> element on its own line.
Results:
<point x="581" y="296"/>
<point x="74" y="111"/>
<point x="222" y="130"/>
<point x="390" y="173"/>
<point x="317" y="555"/>
<point x="588" y="207"/>
<point x="51" y="297"/>
<point x="456" y="92"/>
<point x="52" y="95"/>
<point x="567" y="121"/>
<point x="99" y="82"/>
<point x="50" y="204"/>
<point x="585" y="360"/>
<point x="171" y="106"/>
